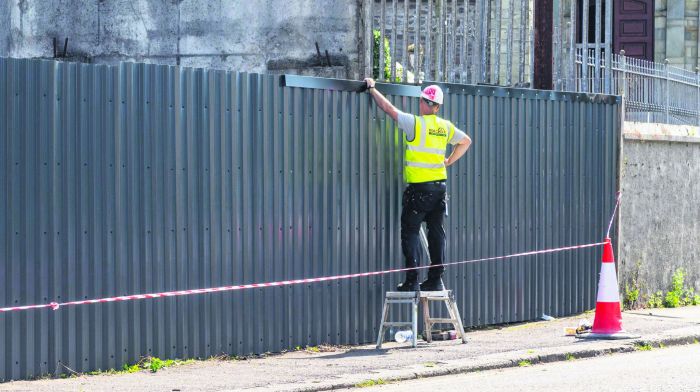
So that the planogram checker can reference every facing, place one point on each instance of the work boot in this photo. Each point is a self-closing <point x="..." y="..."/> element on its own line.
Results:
<point x="432" y="284"/>
<point x="408" y="285"/>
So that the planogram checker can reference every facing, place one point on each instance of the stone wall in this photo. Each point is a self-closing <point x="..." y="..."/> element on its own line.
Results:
<point x="676" y="32"/>
<point x="252" y="36"/>
<point x="660" y="209"/>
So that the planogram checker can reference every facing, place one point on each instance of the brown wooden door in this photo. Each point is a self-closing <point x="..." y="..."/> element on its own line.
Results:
<point x="633" y="28"/>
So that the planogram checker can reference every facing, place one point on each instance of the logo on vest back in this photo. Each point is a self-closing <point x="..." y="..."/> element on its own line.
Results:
<point x="437" y="132"/>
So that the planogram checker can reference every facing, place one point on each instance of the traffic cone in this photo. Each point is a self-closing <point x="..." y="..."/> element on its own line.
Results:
<point x="608" y="316"/>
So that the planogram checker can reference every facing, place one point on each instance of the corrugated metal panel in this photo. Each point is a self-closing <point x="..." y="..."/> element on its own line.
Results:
<point x="143" y="178"/>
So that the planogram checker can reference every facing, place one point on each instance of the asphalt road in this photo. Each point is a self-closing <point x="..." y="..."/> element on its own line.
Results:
<point x="674" y="369"/>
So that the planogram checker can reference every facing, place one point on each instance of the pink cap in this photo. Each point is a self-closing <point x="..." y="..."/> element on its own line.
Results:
<point x="433" y="93"/>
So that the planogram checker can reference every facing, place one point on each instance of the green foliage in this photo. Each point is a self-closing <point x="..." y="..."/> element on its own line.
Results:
<point x="630" y="299"/>
<point x="674" y="298"/>
<point x="643" y="347"/>
<point x="131" y="368"/>
<point x="690" y="297"/>
<point x="656" y="300"/>
<point x="370" y="383"/>
<point x="155" y="364"/>
<point x="570" y="357"/>
<point x="387" y="59"/>
<point x="524" y="363"/>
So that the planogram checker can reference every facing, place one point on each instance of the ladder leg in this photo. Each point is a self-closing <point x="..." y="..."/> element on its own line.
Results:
<point x="426" y="320"/>
<point x="380" y="336"/>
<point x="414" y="320"/>
<point x="455" y="315"/>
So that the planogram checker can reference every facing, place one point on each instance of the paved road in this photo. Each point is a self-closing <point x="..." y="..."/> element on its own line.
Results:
<point x="674" y="369"/>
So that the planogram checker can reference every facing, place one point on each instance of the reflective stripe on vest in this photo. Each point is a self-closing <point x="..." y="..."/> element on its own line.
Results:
<point x="425" y="154"/>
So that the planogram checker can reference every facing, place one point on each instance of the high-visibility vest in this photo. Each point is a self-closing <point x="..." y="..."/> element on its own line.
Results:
<point x="425" y="154"/>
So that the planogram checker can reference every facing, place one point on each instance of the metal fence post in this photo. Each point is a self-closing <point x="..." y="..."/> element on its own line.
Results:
<point x="697" y="95"/>
<point x="623" y="88"/>
<point x="668" y="91"/>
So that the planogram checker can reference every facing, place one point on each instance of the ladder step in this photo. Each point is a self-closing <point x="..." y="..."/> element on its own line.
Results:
<point x="397" y="323"/>
<point x="442" y="321"/>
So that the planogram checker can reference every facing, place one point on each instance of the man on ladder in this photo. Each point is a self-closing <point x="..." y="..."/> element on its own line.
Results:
<point x="425" y="172"/>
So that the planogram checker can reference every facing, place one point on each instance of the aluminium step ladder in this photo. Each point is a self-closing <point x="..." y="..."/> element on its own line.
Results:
<point x="421" y="297"/>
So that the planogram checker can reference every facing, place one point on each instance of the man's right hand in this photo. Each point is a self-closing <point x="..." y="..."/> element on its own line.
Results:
<point x="370" y="82"/>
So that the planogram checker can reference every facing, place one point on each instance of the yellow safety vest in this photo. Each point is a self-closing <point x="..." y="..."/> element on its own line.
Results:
<point x="425" y="154"/>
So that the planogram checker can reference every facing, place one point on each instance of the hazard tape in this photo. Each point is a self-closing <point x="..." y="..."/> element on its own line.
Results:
<point x="612" y="218"/>
<point x="56" y="305"/>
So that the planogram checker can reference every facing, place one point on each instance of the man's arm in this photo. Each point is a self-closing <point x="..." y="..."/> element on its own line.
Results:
<point x="459" y="150"/>
<point x="381" y="100"/>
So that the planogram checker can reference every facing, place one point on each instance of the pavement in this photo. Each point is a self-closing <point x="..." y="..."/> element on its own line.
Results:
<point x="346" y="367"/>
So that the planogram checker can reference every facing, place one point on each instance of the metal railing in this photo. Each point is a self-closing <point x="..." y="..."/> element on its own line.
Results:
<point x="491" y="41"/>
<point x="653" y="92"/>
<point x="457" y="41"/>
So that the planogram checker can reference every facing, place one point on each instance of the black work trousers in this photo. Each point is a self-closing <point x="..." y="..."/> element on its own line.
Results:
<point x="423" y="202"/>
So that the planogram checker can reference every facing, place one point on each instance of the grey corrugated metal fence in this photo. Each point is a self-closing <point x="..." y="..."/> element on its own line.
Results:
<point x="143" y="178"/>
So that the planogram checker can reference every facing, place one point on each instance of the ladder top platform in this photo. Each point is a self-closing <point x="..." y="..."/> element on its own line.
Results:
<point x="418" y="294"/>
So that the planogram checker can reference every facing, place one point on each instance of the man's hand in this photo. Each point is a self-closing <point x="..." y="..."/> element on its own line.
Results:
<point x="381" y="100"/>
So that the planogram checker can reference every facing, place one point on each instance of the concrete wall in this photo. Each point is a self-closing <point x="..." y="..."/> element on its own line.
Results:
<point x="660" y="210"/>
<point x="253" y="36"/>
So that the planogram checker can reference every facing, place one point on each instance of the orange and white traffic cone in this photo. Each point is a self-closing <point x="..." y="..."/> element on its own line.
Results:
<point x="608" y="317"/>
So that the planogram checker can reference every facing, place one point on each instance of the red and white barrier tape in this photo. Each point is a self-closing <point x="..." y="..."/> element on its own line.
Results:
<point x="612" y="218"/>
<point x="56" y="306"/>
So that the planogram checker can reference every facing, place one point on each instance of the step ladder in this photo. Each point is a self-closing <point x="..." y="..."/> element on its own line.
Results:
<point x="420" y="297"/>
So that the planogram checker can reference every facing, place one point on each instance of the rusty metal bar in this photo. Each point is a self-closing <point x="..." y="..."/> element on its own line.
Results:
<point x="486" y="17"/>
<point x="404" y="49"/>
<point x="465" y="41"/>
<point x="382" y="20"/>
<point x="584" y="42"/>
<point x="557" y="44"/>
<point x="509" y="54"/>
<point x="429" y="61"/>
<point x="521" y="51"/>
<point x="497" y="44"/>
<point x="369" y="37"/>
<point x="608" y="46"/>
<point x="598" y="34"/>
<point x="394" y="25"/>
<point x="453" y="51"/>
<point x="417" y="47"/>
<point x="571" y="82"/>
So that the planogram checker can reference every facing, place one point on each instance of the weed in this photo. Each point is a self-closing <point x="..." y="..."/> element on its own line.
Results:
<point x="631" y="295"/>
<point x="524" y="363"/>
<point x="313" y="349"/>
<point x="643" y="347"/>
<point x="530" y="351"/>
<point x="429" y="364"/>
<point x="690" y="297"/>
<point x="656" y="300"/>
<point x="570" y="357"/>
<point x="375" y="54"/>
<point x="126" y="368"/>
<point x="155" y="364"/>
<point x="661" y="345"/>
<point x="370" y="383"/>
<point x="695" y="341"/>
